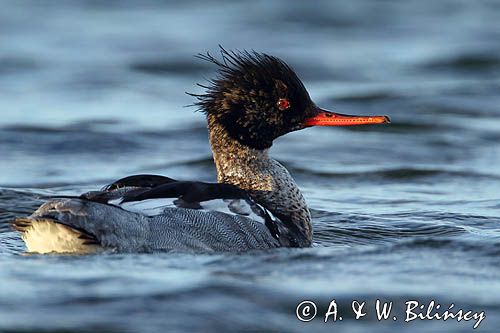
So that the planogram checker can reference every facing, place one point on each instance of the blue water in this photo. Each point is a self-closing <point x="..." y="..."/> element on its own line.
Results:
<point x="93" y="91"/>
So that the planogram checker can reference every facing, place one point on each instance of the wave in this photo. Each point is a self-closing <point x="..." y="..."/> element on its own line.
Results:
<point x="368" y="97"/>
<point x="15" y="65"/>
<point x="169" y="67"/>
<point x="357" y="230"/>
<point x="393" y="174"/>
<point x="466" y="62"/>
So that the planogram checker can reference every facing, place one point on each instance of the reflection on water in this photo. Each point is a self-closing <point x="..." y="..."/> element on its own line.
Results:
<point x="92" y="91"/>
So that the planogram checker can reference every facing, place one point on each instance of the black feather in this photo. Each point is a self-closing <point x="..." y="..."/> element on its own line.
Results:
<point x="21" y="224"/>
<point x="243" y="97"/>
<point x="189" y="191"/>
<point x="138" y="181"/>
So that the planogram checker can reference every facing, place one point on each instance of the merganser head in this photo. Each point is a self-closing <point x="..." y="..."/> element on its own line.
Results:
<point x="257" y="98"/>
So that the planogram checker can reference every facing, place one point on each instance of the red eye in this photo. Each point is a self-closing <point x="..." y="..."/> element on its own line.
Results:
<point x="283" y="104"/>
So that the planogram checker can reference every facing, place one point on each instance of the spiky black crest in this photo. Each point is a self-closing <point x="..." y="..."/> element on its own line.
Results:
<point x="245" y="97"/>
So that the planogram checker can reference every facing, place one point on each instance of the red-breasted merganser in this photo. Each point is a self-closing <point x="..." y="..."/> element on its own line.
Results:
<point x="255" y="203"/>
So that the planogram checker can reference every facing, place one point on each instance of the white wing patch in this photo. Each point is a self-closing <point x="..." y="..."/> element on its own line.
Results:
<point x="149" y="207"/>
<point x="241" y="207"/>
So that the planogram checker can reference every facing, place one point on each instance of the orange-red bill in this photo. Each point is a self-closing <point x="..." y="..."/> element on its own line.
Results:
<point x="328" y="118"/>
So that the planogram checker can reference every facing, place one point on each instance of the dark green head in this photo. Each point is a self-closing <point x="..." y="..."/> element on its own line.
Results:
<point x="257" y="98"/>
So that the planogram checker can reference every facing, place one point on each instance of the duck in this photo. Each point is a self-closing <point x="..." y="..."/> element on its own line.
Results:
<point x="255" y="203"/>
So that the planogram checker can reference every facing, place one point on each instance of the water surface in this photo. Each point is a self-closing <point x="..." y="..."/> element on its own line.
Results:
<point x="94" y="91"/>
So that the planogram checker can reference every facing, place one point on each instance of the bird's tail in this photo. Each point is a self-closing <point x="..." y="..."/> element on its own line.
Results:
<point x="82" y="226"/>
<point x="46" y="235"/>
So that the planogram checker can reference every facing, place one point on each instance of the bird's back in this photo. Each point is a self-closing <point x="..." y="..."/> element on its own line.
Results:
<point x="181" y="216"/>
